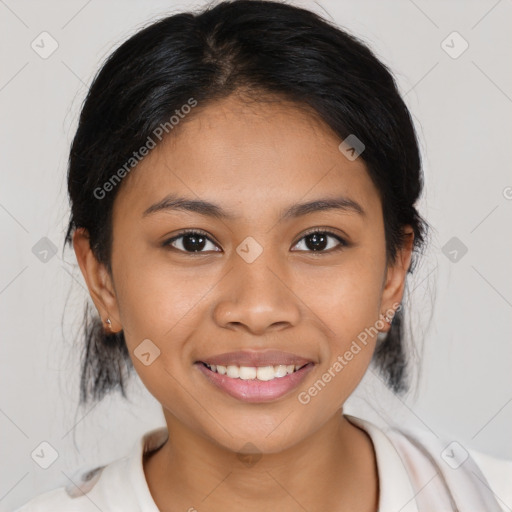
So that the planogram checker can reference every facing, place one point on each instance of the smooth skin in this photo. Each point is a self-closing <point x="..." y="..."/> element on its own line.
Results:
<point x="254" y="161"/>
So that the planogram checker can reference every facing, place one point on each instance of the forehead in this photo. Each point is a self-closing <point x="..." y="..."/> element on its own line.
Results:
<point x="248" y="156"/>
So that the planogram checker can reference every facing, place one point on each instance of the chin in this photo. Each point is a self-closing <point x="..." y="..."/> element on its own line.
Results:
<point x="248" y="440"/>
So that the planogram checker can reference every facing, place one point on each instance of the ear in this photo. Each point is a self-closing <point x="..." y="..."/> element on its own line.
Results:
<point x="394" y="282"/>
<point x="98" y="280"/>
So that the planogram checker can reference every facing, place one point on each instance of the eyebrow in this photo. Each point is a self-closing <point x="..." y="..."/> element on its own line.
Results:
<point x="173" y="202"/>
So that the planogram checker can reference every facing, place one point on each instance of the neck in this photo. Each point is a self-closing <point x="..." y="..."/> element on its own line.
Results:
<point x="334" y="469"/>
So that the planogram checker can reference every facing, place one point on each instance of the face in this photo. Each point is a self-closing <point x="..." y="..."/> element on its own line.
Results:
<point x="253" y="278"/>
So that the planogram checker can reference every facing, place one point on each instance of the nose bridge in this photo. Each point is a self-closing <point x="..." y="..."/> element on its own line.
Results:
<point x="255" y="293"/>
<point x="257" y="278"/>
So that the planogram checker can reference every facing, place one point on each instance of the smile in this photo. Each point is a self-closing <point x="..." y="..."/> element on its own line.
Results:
<point x="264" y="373"/>
<point x="255" y="384"/>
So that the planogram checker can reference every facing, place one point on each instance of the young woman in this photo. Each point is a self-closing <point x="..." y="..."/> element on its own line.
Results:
<point x="243" y="185"/>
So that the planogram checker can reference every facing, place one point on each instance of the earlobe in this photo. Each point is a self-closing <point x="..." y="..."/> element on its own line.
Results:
<point x="98" y="280"/>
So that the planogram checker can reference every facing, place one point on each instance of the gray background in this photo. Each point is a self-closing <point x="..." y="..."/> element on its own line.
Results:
<point x="461" y="303"/>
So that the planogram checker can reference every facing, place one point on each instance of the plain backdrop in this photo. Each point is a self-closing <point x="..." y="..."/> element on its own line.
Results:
<point x="459" y="89"/>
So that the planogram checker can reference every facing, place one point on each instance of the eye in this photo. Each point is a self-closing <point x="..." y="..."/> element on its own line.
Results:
<point x="190" y="241"/>
<point x="317" y="240"/>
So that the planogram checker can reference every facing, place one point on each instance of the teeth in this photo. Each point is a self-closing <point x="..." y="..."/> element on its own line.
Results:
<point x="246" y="373"/>
<point x="233" y="372"/>
<point x="266" y="373"/>
<point x="280" y="370"/>
<point x="263" y="373"/>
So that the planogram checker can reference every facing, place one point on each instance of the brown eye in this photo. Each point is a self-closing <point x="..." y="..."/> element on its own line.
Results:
<point x="322" y="241"/>
<point x="190" y="241"/>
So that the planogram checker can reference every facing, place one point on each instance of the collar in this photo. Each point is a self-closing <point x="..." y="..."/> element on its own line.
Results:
<point x="395" y="489"/>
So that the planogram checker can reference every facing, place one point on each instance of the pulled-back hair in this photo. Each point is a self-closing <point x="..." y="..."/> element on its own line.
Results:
<point x="264" y="48"/>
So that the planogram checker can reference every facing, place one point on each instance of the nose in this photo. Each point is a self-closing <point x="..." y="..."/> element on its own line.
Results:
<point x="257" y="297"/>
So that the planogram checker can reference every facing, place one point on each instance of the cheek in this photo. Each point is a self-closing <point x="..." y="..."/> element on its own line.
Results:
<point x="347" y="304"/>
<point x="158" y="300"/>
<point x="347" y="300"/>
<point x="161" y="303"/>
<point x="347" y="296"/>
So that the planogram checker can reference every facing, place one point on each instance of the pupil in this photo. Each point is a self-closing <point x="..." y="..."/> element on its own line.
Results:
<point x="318" y="241"/>
<point x="191" y="242"/>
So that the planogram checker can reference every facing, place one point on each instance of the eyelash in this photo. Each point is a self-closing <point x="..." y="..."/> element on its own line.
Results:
<point x="343" y="243"/>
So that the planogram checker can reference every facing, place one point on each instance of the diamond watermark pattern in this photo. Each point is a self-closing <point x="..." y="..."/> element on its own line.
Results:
<point x="44" y="250"/>
<point x="251" y="458"/>
<point x="454" y="455"/>
<point x="44" y="455"/>
<point x="249" y="249"/>
<point x="351" y="147"/>
<point x="454" y="250"/>
<point x="146" y="352"/>
<point x="44" y="45"/>
<point x="454" y="45"/>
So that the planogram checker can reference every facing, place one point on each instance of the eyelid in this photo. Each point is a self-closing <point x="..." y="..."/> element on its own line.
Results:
<point x="188" y="231"/>
<point x="326" y="230"/>
<point x="343" y="243"/>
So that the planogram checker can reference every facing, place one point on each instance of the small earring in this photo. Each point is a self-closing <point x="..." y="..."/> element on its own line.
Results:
<point x="388" y="319"/>
<point x="109" y="323"/>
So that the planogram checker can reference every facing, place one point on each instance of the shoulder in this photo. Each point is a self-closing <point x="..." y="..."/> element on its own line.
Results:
<point x="55" y="500"/>
<point x="66" y="498"/>
<point x="445" y="471"/>
<point x="88" y="491"/>
<point x="498" y="473"/>
<point x="119" y="485"/>
<point x="468" y="475"/>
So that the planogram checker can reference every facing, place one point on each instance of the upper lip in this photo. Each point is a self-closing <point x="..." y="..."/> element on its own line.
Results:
<point x="257" y="358"/>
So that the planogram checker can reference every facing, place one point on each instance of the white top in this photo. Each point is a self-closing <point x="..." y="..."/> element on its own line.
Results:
<point x="121" y="485"/>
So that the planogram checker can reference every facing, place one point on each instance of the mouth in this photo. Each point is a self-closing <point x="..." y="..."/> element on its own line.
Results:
<point x="261" y="373"/>
<point x="255" y="383"/>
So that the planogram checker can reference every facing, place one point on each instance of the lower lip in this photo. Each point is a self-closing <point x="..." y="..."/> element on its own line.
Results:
<point x="255" y="390"/>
